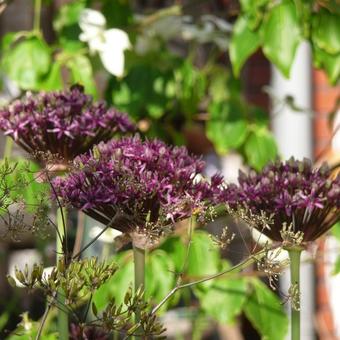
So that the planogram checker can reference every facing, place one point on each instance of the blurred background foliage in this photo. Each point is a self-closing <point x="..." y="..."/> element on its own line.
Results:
<point x="180" y="82"/>
<point x="177" y="72"/>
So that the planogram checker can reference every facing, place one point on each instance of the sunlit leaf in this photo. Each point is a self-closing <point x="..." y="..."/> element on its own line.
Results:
<point x="117" y="286"/>
<point x="260" y="148"/>
<point x="27" y="62"/>
<point x="203" y="256"/>
<point x="224" y="299"/>
<point x="281" y="35"/>
<point x="226" y="127"/>
<point x="244" y="42"/>
<point x="82" y="73"/>
<point x="336" y="269"/>
<point x="175" y="248"/>
<point x="326" y="31"/>
<point x="253" y="11"/>
<point x="265" y="311"/>
<point x="159" y="275"/>
<point x="53" y="80"/>
<point x="329" y="62"/>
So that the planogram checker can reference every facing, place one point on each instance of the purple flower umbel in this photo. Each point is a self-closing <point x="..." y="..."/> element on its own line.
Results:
<point x="149" y="181"/>
<point x="64" y="123"/>
<point x="294" y="193"/>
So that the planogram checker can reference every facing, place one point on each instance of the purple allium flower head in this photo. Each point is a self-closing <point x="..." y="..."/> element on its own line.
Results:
<point x="293" y="193"/>
<point x="64" y="123"/>
<point x="149" y="181"/>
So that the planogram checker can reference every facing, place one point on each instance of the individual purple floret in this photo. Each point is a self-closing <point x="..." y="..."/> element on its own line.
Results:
<point x="149" y="181"/>
<point x="293" y="193"/>
<point x="64" y="123"/>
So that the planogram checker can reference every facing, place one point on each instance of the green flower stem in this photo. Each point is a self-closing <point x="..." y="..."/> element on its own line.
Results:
<point x="37" y="15"/>
<point x="8" y="148"/>
<point x="139" y="265"/>
<point x="295" y="258"/>
<point x="61" y="237"/>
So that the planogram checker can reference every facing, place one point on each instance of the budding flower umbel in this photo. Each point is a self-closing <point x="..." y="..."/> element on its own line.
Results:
<point x="64" y="123"/>
<point x="147" y="181"/>
<point x="303" y="201"/>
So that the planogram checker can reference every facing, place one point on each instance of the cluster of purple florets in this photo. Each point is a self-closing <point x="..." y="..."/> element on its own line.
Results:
<point x="147" y="180"/>
<point x="152" y="182"/>
<point x="293" y="192"/>
<point x="65" y="123"/>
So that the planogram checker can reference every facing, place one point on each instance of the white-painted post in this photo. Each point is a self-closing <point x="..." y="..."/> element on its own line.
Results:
<point x="294" y="135"/>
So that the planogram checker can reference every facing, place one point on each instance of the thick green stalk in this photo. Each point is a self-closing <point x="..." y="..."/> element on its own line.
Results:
<point x="295" y="255"/>
<point x="8" y="148"/>
<point x="62" y="315"/>
<point x="37" y="15"/>
<point x="139" y="264"/>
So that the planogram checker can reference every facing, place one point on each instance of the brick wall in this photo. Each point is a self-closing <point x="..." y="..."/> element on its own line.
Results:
<point x="325" y="98"/>
<point x="255" y="75"/>
<point x="324" y="101"/>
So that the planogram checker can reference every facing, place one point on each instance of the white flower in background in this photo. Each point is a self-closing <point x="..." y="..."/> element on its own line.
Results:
<point x="109" y="44"/>
<point x="208" y="28"/>
<point x="18" y="259"/>
<point x="107" y="236"/>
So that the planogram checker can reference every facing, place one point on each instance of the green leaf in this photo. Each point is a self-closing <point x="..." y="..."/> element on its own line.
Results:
<point x="27" y="62"/>
<point x="5" y="315"/>
<point x="265" y="311"/>
<point x="336" y="269"/>
<point x="66" y="23"/>
<point x="224" y="299"/>
<point x="226" y="128"/>
<point x="336" y="230"/>
<point x="203" y="256"/>
<point x="191" y="87"/>
<point x="117" y="286"/>
<point x="260" y="148"/>
<point x="27" y="329"/>
<point x="222" y="86"/>
<point x="336" y="233"/>
<point x="81" y="72"/>
<point x="253" y="11"/>
<point x="329" y="62"/>
<point x="159" y="276"/>
<point x="326" y="31"/>
<point x="281" y="35"/>
<point x="143" y="91"/>
<point x="244" y="42"/>
<point x="117" y="13"/>
<point x="251" y="5"/>
<point x="8" y="39"/>
<point x="53" y="80"/>
<point x="68" y="15"/>
<point x="175" y="249"/>
<point x="23" y="185"/>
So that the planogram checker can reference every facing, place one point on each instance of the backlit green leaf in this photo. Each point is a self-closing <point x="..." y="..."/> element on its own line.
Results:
<point x="281" y="35"/>
<point x="27" y="62"/>
<point x="329" y="62"/>
<point x="265" y="311"/>
<point x="159" y="275"/>
<point x="81" y="72"/>
<point x="203" y="256"/>
<point x="224" y="299"/>
<point x="326" y="31"/>
<point x="260" y="148"/>
<point x="226" y="127"/>
<point x="244" y="42"/>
